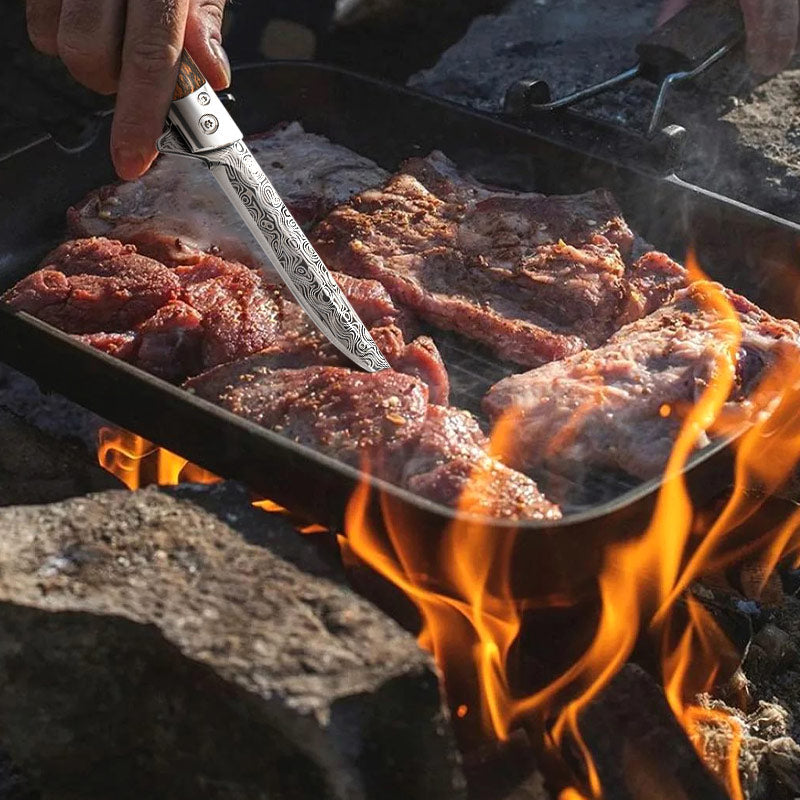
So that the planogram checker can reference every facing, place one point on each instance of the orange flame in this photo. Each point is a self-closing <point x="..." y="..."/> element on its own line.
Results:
<point x="137" y="463"/>
<point x="469" y="610"/>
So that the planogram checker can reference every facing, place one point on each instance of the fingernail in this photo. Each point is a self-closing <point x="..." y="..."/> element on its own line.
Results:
<point x="130" y="163"/>
<point x="222" y="58"/>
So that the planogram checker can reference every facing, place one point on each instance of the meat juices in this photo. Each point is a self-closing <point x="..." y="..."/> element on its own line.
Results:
<point x="621" y="406"/>
<point x="177" y="207"/>
<point x="377" y="421"/>
<point x="534" y="278"/>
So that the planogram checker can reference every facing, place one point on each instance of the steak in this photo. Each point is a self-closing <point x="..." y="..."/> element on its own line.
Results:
<point x="177" y="207"/>
<point x="179" y="322"/>
<point x="93" y="286"/>
<point x="620" y="407"/>
<point x="535" y="278"/>
<point x="381" y="422"/>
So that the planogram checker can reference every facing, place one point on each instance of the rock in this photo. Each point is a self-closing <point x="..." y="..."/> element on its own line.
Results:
<point x="34" y="468"/>
<point x="49" y="413"/>
<point x="783" y="756"/>
<point x="185" y="645"/>
<point x="776" y="644"/>
<point x="639" y="749"/>
<point x="743" y="135"/>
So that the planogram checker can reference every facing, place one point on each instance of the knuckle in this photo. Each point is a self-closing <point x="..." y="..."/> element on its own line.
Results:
<point x="212" y="9"/>
<point x="95" y="66"/>
<point x="152" y="58"/>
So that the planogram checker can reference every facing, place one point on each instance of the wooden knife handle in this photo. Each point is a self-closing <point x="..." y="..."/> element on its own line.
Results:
<point x="689" y="38"/>
<point x="189" y="77"/>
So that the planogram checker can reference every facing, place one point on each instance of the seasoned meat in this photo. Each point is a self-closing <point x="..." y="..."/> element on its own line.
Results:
<point x="450" y="465"/>
<point x="94" y="286"/>
<point x="535" y="278"/>
<point x="381" y="422"/>
<point x="621" y="406"/>
<point x="347" y="414"/>
<point x="177" y="207"/>
<point x="178" y="322"/>
<point x="240" y="312"/>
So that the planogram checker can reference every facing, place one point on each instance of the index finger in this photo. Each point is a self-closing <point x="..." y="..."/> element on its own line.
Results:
<point x="154" y="31"/>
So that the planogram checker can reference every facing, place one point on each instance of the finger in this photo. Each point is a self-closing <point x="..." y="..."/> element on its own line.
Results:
<point x="90" y="39"/>
<point x="154" y="31"/>
<point x="42" y="18"/>
<point x="669" y="8"/>
<point x="204" y="41"/>
<point x="771" y="27"/>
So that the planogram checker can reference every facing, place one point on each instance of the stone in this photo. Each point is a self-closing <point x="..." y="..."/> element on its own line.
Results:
<point x="35" y="468"/>
<point x="184" y="644"/>
<point x="783" y="756"/>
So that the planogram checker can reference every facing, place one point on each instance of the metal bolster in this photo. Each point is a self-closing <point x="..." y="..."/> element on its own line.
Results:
<point x="203" y="121"/>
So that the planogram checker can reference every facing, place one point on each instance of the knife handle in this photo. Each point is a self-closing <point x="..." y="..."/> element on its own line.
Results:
<point x="190" y="78"/>
<point x="687" y="40"/>
<point x="198" y="113"/>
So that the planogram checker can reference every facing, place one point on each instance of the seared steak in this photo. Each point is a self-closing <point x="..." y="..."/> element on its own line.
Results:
<point x="535" y="278"/>
<point x="380" y="422"/>
<point x="621" y="406"/>
<point x="177" y="207"/>
<point x="178" y="322"/>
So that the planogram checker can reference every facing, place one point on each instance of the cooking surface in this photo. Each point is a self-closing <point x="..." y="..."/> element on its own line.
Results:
<point x="664" y="211"/>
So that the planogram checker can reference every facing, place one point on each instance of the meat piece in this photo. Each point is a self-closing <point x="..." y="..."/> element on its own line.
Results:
<point x="450" y="465"/>
<point x="178" y="322"/>
<point x="379" y="422"/>
<point x="177" y="208"/>
<point x="120" y="345"/>
<point x="349" y="415"/>
<point x="171" y="342"/>
<point x="620" y="407"/>
<point x="535" y="278"/>
<point x="240" y="312"/>
<point x="95" y="286"/>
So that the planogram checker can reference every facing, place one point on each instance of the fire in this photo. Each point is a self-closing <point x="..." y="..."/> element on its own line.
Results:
<point x="461" y="583"/>
<point x="470" y="621"/>
<point x="137" y="463"/>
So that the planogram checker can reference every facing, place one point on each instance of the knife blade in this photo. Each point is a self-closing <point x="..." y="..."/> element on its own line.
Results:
<point x="199" y="126"/>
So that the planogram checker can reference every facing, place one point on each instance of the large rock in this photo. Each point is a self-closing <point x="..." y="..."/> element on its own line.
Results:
<point x="156" y="645"/>
<point x="35" y="468"/>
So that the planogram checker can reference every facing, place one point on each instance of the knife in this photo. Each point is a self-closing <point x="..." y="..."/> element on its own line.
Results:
<point x="200" y="127"/>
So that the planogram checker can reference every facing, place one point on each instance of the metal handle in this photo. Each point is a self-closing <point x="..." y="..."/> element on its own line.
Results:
<point x="690" y="38"/>
<point x="198" y="113"/>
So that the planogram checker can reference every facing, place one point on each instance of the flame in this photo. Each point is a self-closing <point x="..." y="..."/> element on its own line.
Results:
<point x="470" y="621"/>
<point x="137" y="462"/>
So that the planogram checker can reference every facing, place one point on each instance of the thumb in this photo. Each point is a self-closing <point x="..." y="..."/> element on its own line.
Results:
<point x="204" y="41"/>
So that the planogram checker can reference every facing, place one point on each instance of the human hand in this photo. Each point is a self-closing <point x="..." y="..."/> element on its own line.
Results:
<point x="771" y="27"/>
<point x="132" y="49"/>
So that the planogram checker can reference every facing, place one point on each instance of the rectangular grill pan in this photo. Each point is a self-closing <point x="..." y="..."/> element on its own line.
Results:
<point x="752" y="252"/>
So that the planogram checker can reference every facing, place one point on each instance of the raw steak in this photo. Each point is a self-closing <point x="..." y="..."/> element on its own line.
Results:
<point x="177" y="206"/>
<point x="380" y="422"/>
<point x="93" y="286"/>
<point x="178" y="322"/>
<point x="535" y="278"/>
<point x="620" y="407"/>
<point x="450" y="457"/>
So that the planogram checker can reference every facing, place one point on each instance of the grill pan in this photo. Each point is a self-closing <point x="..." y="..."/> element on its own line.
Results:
<point x="752" y="252"/>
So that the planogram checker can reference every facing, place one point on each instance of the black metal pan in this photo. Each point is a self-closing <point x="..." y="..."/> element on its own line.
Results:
<point x="750" y="251"/>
